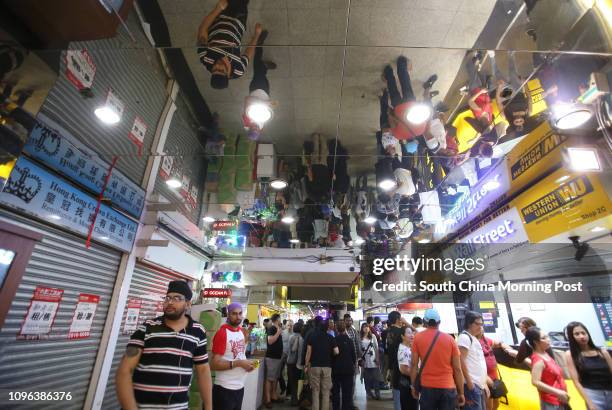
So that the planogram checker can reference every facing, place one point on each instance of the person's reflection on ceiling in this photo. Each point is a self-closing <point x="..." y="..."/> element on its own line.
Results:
<point x="219" y="38"/>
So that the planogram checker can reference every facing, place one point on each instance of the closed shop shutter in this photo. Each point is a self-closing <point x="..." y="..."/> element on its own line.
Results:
<point x="149" y="286"/>
<point x="56" y="364"/>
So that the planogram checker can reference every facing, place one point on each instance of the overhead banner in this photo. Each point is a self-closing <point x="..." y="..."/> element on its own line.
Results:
<point x="84" y="313"/>
<point x="41" y="313"/>
<point x="553" y="207"/>
<point x="52" y="145"/>
<point x="39" y="193"/>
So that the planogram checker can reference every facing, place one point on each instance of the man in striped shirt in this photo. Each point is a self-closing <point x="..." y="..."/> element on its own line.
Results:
<point x="156" y="371"/>
<point x="219" y="39"/>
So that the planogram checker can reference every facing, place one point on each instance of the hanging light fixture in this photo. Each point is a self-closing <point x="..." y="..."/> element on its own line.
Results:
<point x="107" y="115"/>
<point x="259" y="112"/>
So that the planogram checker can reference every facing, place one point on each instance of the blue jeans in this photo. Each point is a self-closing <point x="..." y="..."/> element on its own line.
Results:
<point x="438" y="399"/>
<point x="474" y="398"/>
<point x="602" y="399"/>
<point x="397" y="404"/>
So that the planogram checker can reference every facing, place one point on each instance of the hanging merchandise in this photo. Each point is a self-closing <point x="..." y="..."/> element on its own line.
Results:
<point x="80" y="328"/>
<point x="80" y="69"/>
<point x="131" y="317"/>
<point x="137" y="134"/>
<point x="41" y="313"/>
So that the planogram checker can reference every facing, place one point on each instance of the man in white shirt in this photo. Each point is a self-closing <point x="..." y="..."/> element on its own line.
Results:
<point x="229" y="361"/>
<point x="473" y="363"/>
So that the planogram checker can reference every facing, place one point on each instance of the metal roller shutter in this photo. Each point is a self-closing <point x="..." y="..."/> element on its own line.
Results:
<point x="150" y="287"/>
<point x="57" y="363"/>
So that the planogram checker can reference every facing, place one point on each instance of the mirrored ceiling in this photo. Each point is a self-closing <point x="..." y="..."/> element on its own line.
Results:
<point x="360" y="109"/>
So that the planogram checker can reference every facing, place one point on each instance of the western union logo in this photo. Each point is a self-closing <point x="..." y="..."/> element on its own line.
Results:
<point x="565" y="194"/>
<point x="535" y="154"/>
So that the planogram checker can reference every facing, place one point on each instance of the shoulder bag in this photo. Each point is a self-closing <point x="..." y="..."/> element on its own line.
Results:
<point x="417" y="382"/>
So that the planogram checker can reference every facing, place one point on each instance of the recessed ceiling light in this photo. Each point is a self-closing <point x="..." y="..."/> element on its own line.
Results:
<point x="278" y="184"/>
<point x="598" y="229"/>
<point x="259" y="112"/>
<point x="370" y="220"/>
<point x="107" y="115"/>
<point x="359" y="241"/>
<point x="583" y="159"/>
<point x="418" y="113"/>
<point x="387" y="184"/>
<point x="561" y="179"/>
<point x="294" y="240"/>
<point x="287" y="220"/>
<point x="55" y="217"/>
<point x="424" y="241"/>
<point x="208" y="219"/>
<point x="173" y="183"/>
<point x="104" y="238"/>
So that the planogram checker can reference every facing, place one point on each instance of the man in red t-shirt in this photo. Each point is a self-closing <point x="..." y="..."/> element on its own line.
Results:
<point x="479" y="102"/>
<point x="230" y="362"/>
<point x="441" y="376"/>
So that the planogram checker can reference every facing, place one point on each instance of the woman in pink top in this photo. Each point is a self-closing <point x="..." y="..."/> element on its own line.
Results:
<point x="546" y="375"/>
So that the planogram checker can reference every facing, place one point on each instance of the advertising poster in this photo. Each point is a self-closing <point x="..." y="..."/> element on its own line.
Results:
<point x="131" y="318"/>
<point x="80" y="68"/>
<point x="138" y="132"/>
<point x="41" y="313"/>
<point x="80" y="328"/>
<point x="114" y="103"/>
<point x="166" y="167"/>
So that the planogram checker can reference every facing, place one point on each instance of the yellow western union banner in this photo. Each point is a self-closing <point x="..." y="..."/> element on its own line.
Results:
<point x="562" y="202"/>
<point x="535" y="155"/>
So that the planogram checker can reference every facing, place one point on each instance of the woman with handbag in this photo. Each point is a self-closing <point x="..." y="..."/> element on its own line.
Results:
<point x="546" y="375"/>
<point x="590" y="367"/>
<point x="369" y="362"/>
<point x="496" y="385"/>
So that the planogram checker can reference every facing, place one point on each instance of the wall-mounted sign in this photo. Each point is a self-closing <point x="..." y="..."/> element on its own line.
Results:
<point x="224" y="225"/>
<point x="57" y="148"/>
<point x="216" y="293"/>
<point x="84" y="313"/>
<point x="131" y="316"/>
<point x="39" y="193"/>
<point x="137" y="133"/>
<point x="115" y="104"/>
<point x="166" y="167"/>
<point x="80" y="68"/>
<point x="551" y="208"/>
<point x="41" y="313"/>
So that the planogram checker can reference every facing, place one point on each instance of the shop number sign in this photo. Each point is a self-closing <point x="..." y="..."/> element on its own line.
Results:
<point x="41" y="313"/>
<point x="80" y="328"/>
<point x="80" y="68"/>
<point x="131" y="318"/>
<point x="216" y="293"/>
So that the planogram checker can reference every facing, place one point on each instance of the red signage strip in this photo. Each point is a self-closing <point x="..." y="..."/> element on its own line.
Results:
<point x="223" y="225"/>
<point x="216" y="293"/>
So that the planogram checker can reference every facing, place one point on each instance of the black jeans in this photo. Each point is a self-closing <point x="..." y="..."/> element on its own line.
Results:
<point x="260" y="71"/>
<point x="292" y="374"/>
<point x="404" y="79"/>
<point x="238" y="9"/>
<point x="226" y="399"/>
<point x="406" y="400"/>
<point x="342" y="386"/>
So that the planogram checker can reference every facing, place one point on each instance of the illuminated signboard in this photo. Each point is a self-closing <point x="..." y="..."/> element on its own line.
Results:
<point x="227" y="277"/>
<point x="216" y="293"/>
<point x="224" y="225"/>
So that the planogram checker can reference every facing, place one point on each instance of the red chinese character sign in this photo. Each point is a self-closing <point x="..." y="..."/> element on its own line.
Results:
<point x="41" y="313"/>
<point x="166" y="167"/>
<point x="137" y="134"/>
<point x="131" y="317"/>
<point x="80" y="69"/>
<point x="80" y="328"/>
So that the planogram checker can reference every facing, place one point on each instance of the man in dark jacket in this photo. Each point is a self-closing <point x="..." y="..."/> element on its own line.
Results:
<point x="342" y="370"/>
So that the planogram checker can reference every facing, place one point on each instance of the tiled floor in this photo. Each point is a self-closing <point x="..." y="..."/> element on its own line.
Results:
<point x="361" y="402"/>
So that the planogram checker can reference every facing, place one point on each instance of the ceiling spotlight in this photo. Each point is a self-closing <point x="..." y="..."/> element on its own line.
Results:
<point x="424" y="241"/>
<point x="598" y="229"/>
<point x="174" y="183"/>
<point x="259" y="112"/>
<point x="278" y="184"/>
<point x="582" y="159"/>
<point x="288" y="220"/>
<point x="294" y="240"/>
<point x="418" y="113"/>
<point x="208" y="219"/>
<point x="107" y="115"/>
<point x="570" y="115"/>
<point x="387" y="184"/>
<point x="370" y="220"/>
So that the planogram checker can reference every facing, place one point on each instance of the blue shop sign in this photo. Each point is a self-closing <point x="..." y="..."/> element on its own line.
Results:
<point x="39" y="193"/>
<point x="54" y="146"/>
